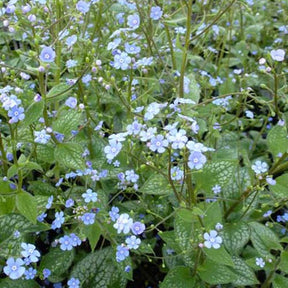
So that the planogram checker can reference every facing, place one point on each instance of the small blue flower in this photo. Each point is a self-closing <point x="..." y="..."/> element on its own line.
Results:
<point x="113" y="149"/>
<point x="132" y="49"/>
<point x="47" y="54"/>
<point x="156" y="13"/>
<point x="82" y="6"/>
<point x="123" y="223"/>
<point x="14" y="268"/>
<point x="50" y="201"/>
<point x="131" y="176"/>
<point x="71" y="63"/>
<point x="122" y="253"/>
<point x="88" y="218"/>
<point x="177" y="174"/>
<point x="73" y="283"/>
<point x="41" y="137"/>
<point x="71" y="40"/>
<point x="30" y="273"/>
<point x="138" y="228"/>
<point x="212" y="240"/>
<point x="30" y="252"/>
<point x="122" y="61"/>
<point x="114" y="213"/>
<point x="86" y="79"/>
<point x="89" y="196"/>
<point x="46" y="273"/>
<point x="278" y="55"/>
<point x="16" y="114"/>
<point x="133" y="21"/>
<point x="65" y="242"/>
<point x="259" y="167"/>
<point x="75" y="240"/>
<point x="69" y="203"/>
<point x="158" y="144"/>
<point x="133" y="242"/>
<point x="59" y="220"/>
<point x="71" y="102"/>
<point x="41" y="217"/>
<point x="196" y="160"/>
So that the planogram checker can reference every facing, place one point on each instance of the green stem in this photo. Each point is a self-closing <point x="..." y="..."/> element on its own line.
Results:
<point x="276" y="93"/>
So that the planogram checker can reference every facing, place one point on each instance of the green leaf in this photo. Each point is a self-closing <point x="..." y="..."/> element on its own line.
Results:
<point x="70" y="155"/>
<point x="97" y="268"/>
<point x="156" y="185"/>
<point x="58" y="92"/>
<point x="45" y="153"/>
<point x="195" y="91"/>
<point x="245" y="275"/>
<point x="33" y="113"/>
<point x="7" y="204"/>
<point x="280" y="281"/>
<point x="236" y="236"/>
<point x="27" y="206"/>
<point x="281" y="187"/>
<point x="178" y="277"/>
<point x="93" y="233"/>
<point x="42" y="188"/>
<point x="67" y="121"/>
<point x="263" y="239"/>
<point x="216" y="273"/>
<point x="220" y="256"/>
<point x="284" y="262"/>
<point x="8" y="283"/>
<point x="215" y="172"/>
<point x="58" y="262"/>
<point x="277" y="140"/>
<point x="213" y="215"/>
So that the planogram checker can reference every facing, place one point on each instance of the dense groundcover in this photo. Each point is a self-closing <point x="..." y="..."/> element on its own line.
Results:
<point x="143" y="143"/>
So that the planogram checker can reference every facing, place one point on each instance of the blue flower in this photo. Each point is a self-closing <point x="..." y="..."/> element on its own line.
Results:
<point x="123" y="223"/>
<point x="112" y="149"/>
<point x="82" y="6"/>
<point x="156" y="13"/>
<point x="196" y="160"/>
<point x="41" y="137"/>
<point x="71" y="102"/>
<point x="114" y="44"/>
<point x="41" y="217"/>
<point x="259" y="167"/>
<point x="89" y="196"/>
<point x="278" y="55"/>
<point x="65" y="242"/>
<point x="88" y="218"/>
<point x="59" y="220"/>
<point x="122" y="253"/>
<point x="86" y="79"/>
<point x="46" y="273"/>
<point x="216" y="189"/>
<point x="177" y="138"/>
<point x="132" y="49"/>
<point x="133" y="21"/>
<point x="30" y="273"/>
<point x="134" y="128"/>
<point x="47" y="54"/>
<point x="75" y="240"/>
<point x="73" y="283"/>
<point x="16" y="114"/>
<point x="71" y="63"/>
<point x="133" y="242"/>
<point x="131" y="176"/>
<point x="50" y="201"/>
<point x="114" y="213"/>
<point x="212" y="240"/>
<point x="138" y="228"/>
<point x="158" y="144"/>
<point x="14" y="268"/>
<point x="30" y="252"/>
<point x="176" y="173"/>
<point x="69" y="203"/>
<point x="71" y="40"/>
<point x="122" y="61"/>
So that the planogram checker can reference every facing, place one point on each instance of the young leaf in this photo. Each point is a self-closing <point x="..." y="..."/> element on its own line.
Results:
<point x="178" y="277"/>
<point x="33" y="113"/>
<point x="93" y="233"/>
<point x="27" y="206"/>
<point x="156" y="185"/>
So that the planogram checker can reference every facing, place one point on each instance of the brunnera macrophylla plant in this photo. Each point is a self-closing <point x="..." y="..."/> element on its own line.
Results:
<point x="143" y="143"/>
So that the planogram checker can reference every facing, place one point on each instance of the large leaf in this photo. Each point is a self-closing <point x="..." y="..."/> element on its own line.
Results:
<point x="277" y="140"/>
<point x="220" y="256"/>
<point x="58" y="262"/>
<point x="213" y="215"/>
<point x="215" y="172"/>
<point x="235" y="236"/>
<point x="58" y="92"/>
<point x="33" y="113"/>
<point x="97" y="269"/>
<point x="27" y="206"/>
<point x="156" y="185"/>
<point x="45" y="153"/>
<point x="70" y="155"/>
<point x="8" y="283"/>
<point x="67" y="121"/>
<point x="263" y="239"/>
<point x="214" y="274"/>
<point x="280" y="281"/>
<point x="284" y="262"/>
<point x="178" y="277"/>
<point x="280" y="189"/>
<point x="93" y="233"/>
<point x="245" y="275"/>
